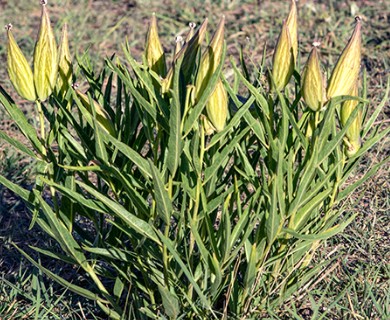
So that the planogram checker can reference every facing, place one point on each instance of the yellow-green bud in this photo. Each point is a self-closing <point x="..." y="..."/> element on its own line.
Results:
<point x="217" y="107"/>
<point x="65" y="69"/>
<point x="207" y="126"/>
<point x="19" y="70"/>
<point x="292" y="25"/>
<point x="45" y="57"/>
<point x="101" y="114"/>
<point x="352" y="136"/>
<point x="283" y="60"/>
<point x="210" y="60"/>
<point x="313" y="88"/>
<point x="346" y="71"/>
<point x="154" y="52"/>
<point x="179" y="44"/>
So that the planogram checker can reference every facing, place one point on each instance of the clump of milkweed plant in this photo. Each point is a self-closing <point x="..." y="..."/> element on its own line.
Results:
<point x="174" y="195"/>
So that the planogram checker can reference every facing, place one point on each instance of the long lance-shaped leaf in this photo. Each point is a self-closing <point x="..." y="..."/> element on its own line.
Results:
<point x="55" y="255"/>
<point x="170" y="302"/>
<point x="219" y="159"/>
<point x="145" y="78"/>
<point x="347" y="191"/>
<point x="295" y="126"/>
<point x="62" y="234"/>
<point x="273" y="219"/>
<point x="322" y="235"/>
<point x="371" y="142"/>
<point x="141" y="226"/>
<point x="163" y="203"/>
<point x="77" y="289"/>
<point x="17" y="115"/>
<point x="250" y="120"/>
<point x="303" y="214"/>
<point x="253" y="90"/>
<point x="76" y="196"/>
<point x="282" y="136"/>
<point x="144" y="104"/>
<point x="175" y="140"/>
<point x="370" y="122"/>
<point x="18" y="145"/>
<point x="21" y="192"/>
<point x="188" y="274"/>
<point x="132" y="155"/>
<point x="138" y="200"/>
<point x="335" y="142"/>
<point x="319" y="185"/>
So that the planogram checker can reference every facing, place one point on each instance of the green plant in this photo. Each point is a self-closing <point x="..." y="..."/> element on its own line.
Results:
<point x="171" y="215"/>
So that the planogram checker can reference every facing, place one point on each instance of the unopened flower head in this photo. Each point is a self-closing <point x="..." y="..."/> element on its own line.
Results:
<point x="19" y="70"/>
<point x="217" y="107"/>
<point x="283" y="59"/>
<point x="292" y="25"/>
<point x="346" y="71"/>
<point x="45" y="57"/>
<point x="313" y="87"/>
<point x="154" y="52"/>
<point x="64" y="63"/>
<point x="179" y="44"/>
<point x="210" y="59"/>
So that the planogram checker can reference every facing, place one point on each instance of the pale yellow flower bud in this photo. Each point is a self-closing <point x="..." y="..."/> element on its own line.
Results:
<point x="19" y="70"/>
<point x="217" y="107"/>
<point x="65" y="69"/>
<point x="283" y="59"/>
<point x="154" y="52"/>
<point x="313" y="87"/>
<point x="292" y="25"/>
<point x="208" y="127"/>
<point x="346" y="71"/>
<point x="352" y="136"/>
<point x="210" y="60"/>
<point x="45" y="58"/>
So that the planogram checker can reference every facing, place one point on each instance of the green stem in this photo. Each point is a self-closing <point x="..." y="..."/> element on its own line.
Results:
<point x="166" y="234"/>
<point x="198" y="185"/>
<point x="42" y="126"/>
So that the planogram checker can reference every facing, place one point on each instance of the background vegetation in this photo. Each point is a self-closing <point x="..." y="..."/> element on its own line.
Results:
<point x="356" y="285"/>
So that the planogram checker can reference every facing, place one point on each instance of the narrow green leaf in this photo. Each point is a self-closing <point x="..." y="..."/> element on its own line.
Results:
<point x="18" y="145"/>
<point x="77" y="289"/>
<point x="163" y="202"/>
<point x="321" y="235"/>
<point x="170" y="302"/>
<point x="303" y="214"/>
<point x="141" y="226"/>
<point x="132" y="155"/>
<point x="370" y="122"/>
<point x="20" y="119"/>
<point x="348" y="190"/>
<point x="175" y="138"/>
<point x="219" y="158"/>
<point x="190" y="277"/>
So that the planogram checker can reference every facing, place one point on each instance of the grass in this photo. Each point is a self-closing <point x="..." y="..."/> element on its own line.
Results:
<point x="356" y="285"/>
